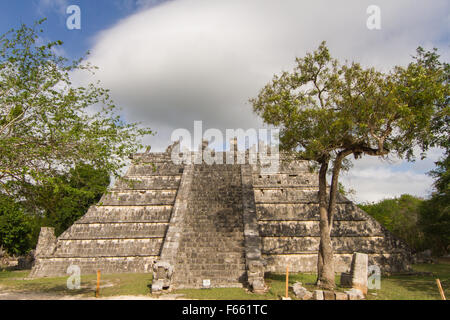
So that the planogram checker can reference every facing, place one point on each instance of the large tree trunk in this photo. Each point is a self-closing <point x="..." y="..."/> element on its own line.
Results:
<point x="325" y="262"/>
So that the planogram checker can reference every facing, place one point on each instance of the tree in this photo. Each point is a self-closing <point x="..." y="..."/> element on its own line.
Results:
<point x="48" y="125"/>
<point x="68" y="197"/>
<point x="15" y="227"/>
<point x="327" y="111"/>
<point x="401" y="217"/>
<point x="435" y="213"/>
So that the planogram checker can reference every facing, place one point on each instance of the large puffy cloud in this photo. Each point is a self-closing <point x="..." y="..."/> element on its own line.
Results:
<point x="374" y="179"/>
<point x="187" y="60"/>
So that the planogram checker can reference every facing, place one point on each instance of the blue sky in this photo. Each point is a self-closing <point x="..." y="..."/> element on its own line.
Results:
<point x="97" y="15"/>
<point x="170" y="63"/>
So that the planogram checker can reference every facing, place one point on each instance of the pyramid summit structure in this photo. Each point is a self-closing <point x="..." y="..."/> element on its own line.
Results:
<point x="221" y="225"/>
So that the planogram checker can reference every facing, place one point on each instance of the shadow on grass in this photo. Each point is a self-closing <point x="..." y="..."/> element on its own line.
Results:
<point x="63" y="290"/>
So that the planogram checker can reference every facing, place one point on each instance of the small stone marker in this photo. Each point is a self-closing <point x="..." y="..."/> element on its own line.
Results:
<point x="359" y="271"/>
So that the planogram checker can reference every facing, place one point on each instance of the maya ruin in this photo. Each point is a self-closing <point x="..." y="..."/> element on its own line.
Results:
<point x="227" y="224"/>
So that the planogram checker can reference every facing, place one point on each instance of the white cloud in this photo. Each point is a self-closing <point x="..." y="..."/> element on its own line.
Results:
<point x="131" y="5"/>
<point x="189" y="60"/>
<point x="376" y="183"/>
<point x="374" y="179"/>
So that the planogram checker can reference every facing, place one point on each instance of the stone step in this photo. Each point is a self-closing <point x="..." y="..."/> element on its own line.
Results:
<point x="115" y="230"/>
<point x="218" y="273"/>
<point x="290" y="195"/>
<point x="108" y="247"/>
<point x="97" y="214"/>
<point x="155" y="170"/>
<point x="146" y="182"/>
<point x="142" y="197"/>
<point x="305" y="212"/>
<point x="54" y="267"/>
<point x="212" y="246"/>
<point x="288" y="179"/>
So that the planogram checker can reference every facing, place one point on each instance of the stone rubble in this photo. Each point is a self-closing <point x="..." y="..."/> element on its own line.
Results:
<point x="301" y="292"/>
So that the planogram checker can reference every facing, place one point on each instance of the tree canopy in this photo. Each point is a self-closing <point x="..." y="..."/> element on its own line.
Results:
<point x="48" y="125"/>
<point x="323" y="107"/>
<point x="59" y="142"/>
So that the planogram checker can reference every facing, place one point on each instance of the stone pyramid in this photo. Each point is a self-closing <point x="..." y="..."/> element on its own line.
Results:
<point x="220" y="225"/>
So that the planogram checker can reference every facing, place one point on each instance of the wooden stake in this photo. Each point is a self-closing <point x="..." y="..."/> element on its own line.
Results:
<point x="441" y="291"/>
<point x="97" y="292"/>
<point x="287" y="281"/>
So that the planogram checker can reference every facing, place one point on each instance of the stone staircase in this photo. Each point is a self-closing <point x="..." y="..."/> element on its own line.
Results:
<point x="124" y="232"/>
<point x="212" y="244"/>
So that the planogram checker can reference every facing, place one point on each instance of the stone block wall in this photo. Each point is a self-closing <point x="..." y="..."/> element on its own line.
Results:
<point x="288" y="217"/>
<point x="212" y="241"/>
<point x="125" y="231"/>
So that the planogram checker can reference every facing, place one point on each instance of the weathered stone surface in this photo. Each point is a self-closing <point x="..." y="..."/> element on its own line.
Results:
<point x="137" y="197"/>
<point x="307" y="262"/>
<point x="227" y="223"/>
<point x="163" y="270"/>
<point x="301" y="292"/>
<point x="318" y="295"/>
<point x="291" y="245"/>
<point x="125" y="231"/>
<point x="311" y="229"/>
<point x="355" y="294"/>
<point x="162" y="276"/>
<point x="46" y="267"/>
<point x="359" y="271"/>
<point x="328" y="295"/>
<point x="289" y="195"/>
<point x="115" y="230"/>
<point x="212" y="245"/>
<point x="46" y="243"/>
<point x="341" y="296"/>
<point x="258" y="286"/>
<point x="146" y="182"/>
<point x="115" y="214"/>
<point x="254" y="262"/>
<point x="305" y="212"/>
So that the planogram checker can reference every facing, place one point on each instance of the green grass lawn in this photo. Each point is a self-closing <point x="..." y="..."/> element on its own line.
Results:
<point x="414" y="287"/>
<point x="275" y="282"/>
<point x="394" y="287"/>
<point x="110" y="284"/>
